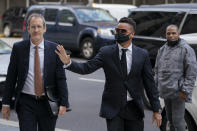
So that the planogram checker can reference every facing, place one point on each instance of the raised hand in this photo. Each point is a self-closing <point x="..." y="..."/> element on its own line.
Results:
<point x="62" y="54"/>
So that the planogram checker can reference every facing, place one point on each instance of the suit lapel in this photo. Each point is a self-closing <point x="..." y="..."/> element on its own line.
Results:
<point x="46" y="60"/>
<point x="26" y="52"/>
<point x="116" y="57"/>
<point x="134" y="56"/>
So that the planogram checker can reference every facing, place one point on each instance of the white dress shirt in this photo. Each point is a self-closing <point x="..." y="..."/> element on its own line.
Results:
<point x="29" y="82"/>
<point x="129" y="62"/>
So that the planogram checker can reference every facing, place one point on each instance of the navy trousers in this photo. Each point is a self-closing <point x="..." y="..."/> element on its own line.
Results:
<point x="34" y="115"/>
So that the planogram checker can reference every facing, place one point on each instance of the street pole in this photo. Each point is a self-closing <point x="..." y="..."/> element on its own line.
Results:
<point x="134" y="2"/>
<point x="27" y="3"/>
<point x="166" y="1"/>
<point x="7" y="4"/>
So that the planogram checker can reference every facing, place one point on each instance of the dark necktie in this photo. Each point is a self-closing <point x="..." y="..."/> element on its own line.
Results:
<point x="123" y="62"/>
<point x="37" y="74"/>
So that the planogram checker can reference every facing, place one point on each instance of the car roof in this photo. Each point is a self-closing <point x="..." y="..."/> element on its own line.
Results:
<point x="113" y="5"/>
<point x="180" y="5"/>
<point x="60" y="6"/>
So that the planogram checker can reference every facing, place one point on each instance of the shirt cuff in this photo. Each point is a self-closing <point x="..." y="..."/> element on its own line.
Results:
<point x="67" y="65"/>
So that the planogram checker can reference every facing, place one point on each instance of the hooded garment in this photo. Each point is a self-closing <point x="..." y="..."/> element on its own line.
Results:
<point x="175" y="70"/>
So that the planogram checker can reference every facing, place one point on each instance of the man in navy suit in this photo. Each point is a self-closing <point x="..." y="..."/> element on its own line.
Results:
<point x="127" y="69"/>
<point x="34" y="66"/>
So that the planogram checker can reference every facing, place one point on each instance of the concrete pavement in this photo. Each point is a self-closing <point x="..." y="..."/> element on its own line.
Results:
<point x="7" y="125"/>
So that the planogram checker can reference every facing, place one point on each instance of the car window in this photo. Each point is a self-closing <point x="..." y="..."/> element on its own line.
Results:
<point x="154" y="23"/>
<point x="50" y="15"/>
<point x="16" y="11"/>
<point x="190" y="24"/>
<point x="66" y="18"/>
<point x="34" y="11"/>
<point x="4" y="48"/>
<point x="92" y="15"/>
<point x="9" y="12"/>
<point x="23" y="12"/>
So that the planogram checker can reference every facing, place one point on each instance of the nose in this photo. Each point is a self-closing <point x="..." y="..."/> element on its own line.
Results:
<point x="36" y="29"/>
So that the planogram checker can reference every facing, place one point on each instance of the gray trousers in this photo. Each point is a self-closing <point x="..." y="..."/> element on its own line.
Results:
<point x="175" y="110"/>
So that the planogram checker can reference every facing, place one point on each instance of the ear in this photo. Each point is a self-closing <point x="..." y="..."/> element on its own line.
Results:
<point x="45" y="29"/>
<point x="132" y="34"/>
<point x="28" y="28"/>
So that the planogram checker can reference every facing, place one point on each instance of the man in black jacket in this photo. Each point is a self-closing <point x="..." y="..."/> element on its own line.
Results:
<point x="33" y="67"/>
<point x="126" y="68"/>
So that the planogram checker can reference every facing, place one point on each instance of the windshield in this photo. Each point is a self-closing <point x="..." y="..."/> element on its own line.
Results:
<point x="94" y="15"/>
<point x="4" y="48"/>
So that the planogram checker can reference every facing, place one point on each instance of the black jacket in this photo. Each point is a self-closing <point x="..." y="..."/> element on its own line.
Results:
<point x="115" y="85"/>
<point x="54" y="74"/>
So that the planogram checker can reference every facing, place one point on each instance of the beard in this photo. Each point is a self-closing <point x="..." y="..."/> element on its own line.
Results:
<point x="173" y="43"/>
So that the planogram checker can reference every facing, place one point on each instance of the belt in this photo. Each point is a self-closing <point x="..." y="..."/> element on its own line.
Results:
<point x="43" y="97"/>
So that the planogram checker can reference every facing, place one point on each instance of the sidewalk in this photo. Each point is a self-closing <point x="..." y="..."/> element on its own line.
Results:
<point x="13" y="126"/>
<point x="8" y="125"/>
<point x="8" y="128"/>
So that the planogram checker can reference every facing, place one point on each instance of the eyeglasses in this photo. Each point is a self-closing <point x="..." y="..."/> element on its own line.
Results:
<point x="123" y="31"/>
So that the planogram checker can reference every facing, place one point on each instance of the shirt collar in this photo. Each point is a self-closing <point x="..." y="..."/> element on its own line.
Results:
<point x="41" y="45"/>
<point x="129" y="48"/>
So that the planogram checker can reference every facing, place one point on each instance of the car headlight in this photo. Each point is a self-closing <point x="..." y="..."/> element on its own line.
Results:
<point x="105" y="32"/>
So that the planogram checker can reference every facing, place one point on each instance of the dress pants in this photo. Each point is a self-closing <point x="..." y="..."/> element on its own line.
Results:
<point x="34" y="115"/>
<point x="128" y="119"/>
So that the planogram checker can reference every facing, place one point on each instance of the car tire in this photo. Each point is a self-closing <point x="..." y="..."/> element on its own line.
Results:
<point x="87" y="48"/>
<point x="146" y="100"/>
<point x="190" y="125"/>
<point x="7" y="30"/>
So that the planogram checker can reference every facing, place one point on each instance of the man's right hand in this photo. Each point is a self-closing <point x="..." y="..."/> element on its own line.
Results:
<point x="6" y="112"/>
<point x="62" y="54"/>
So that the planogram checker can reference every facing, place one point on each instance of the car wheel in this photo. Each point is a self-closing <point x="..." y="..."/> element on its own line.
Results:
<point x="146" y="100"/>
<point x="7" y="31"/>
<point x="189" y="123"/>
<point x="87" y="48"/>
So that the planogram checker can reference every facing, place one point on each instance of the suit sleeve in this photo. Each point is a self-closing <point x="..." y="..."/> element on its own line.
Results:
<point x="89" y="66"/>
<point x="61" y="83"/>
<point x="11" y="78"/>
<point x="149" y="85"/>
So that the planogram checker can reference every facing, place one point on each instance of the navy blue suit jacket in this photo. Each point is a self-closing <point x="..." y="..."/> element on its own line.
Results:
<point x="115" y="84"/>
<point x="54" y="74"/>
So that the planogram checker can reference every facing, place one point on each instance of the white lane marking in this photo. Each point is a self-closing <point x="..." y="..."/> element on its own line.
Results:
<point x="15" y="124"/>
<point x="94" y="80"/>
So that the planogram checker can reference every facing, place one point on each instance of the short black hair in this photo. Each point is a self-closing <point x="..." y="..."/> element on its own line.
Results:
<point x="129" y="21"/>
<point x="172" y="25"/>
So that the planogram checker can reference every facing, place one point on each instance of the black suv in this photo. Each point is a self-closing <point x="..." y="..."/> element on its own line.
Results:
<point x="12" y="20"/>
<point x="77" y="28"/>
<point x="152" y="22"/>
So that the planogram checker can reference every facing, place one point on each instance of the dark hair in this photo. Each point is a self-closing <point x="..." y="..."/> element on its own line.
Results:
<point x="129" y="21"/>
<point x="172" y="25"/>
